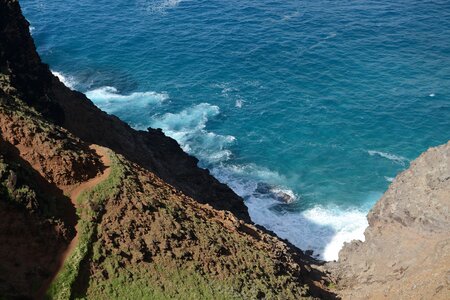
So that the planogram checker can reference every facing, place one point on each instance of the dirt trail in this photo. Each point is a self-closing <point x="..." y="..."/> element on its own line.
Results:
<point x="74" y="194"/>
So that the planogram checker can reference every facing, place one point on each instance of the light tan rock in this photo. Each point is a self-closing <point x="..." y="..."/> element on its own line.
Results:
<point x="406" y="254"/>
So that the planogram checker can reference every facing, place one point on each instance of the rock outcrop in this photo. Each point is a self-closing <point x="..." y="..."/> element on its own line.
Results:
<point x="406" y="254"/>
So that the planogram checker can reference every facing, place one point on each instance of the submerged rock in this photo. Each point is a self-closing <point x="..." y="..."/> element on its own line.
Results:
<point x="274" y="192"/>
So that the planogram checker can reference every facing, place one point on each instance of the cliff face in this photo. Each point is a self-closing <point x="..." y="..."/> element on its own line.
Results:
<point x="23" y="72"/>
<point x="406" y="254"/>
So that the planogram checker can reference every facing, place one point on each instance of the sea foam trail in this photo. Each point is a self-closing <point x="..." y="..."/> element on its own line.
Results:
<point x="395" y="158"/>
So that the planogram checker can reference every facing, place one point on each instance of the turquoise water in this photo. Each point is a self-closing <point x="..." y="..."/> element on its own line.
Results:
<point x="321" y="103"/>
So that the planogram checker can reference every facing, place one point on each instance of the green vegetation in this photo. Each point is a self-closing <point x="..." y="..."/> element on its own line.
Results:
<point x="158" y="282"/>
<point x="89" y="206"/>
<point x="247" y="272"/>
<point x="122" y="271"/>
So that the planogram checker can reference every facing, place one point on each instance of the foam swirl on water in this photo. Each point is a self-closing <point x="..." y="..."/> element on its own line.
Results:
<point x="188" y="127"/>
<point x="109" y="99"/>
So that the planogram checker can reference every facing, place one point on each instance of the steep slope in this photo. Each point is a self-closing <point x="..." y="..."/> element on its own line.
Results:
<point x="75" y="194"/>
<point x="145" y="239"/>
<point x="137" y="235"/>
<point x="32" y="80"/>
<point x="155" y="227"/>
<point x="406" y="254"/>
<point x="39" y="162"/>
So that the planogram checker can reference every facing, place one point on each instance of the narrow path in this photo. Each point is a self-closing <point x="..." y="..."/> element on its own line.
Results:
<point x="74" y="194"/>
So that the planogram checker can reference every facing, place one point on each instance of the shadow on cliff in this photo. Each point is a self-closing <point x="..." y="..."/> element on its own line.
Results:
<point x="57" y="204"/>
<point x="31" y="234"/>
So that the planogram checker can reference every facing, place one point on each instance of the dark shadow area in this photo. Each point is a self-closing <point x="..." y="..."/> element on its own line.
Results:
<point x="32" y="234"/>
<point x="53" y="202"/>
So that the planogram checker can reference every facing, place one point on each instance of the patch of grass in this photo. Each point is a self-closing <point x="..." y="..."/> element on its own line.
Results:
<point x="158" y="281"/>
<point x="89" y="206"/>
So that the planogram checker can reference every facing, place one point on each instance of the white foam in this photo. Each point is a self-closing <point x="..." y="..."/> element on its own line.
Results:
<point x="347" y="224"/>
<point x="109" y="99"/>
<point x="432" y="95"/>
<point x="188" y="127"/>
<point x="32" y="28"/>
<point x="68" y="81"/>
<point x="160" y="6"/>
<point x="395" y="158"/>
<point x="389" y="179"/>
<point x="249" y="172"/>
<point x="239" y="103"/>
<point x="321" y="229"/>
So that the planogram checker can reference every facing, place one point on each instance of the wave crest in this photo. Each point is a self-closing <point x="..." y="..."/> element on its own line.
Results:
<point x="68" y="81"/>
<point x="188" y="127"/>
<point x="109" y="99"/>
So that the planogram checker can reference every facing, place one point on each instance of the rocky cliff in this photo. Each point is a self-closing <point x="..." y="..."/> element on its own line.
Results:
<point x="406" y="254"/>
<point x="138" y="219"/>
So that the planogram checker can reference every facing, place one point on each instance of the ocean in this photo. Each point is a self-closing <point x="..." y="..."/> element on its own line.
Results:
<point x="307" y="109"/>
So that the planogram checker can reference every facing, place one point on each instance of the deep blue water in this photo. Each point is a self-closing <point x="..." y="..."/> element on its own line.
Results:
<point x="325" y="101"/>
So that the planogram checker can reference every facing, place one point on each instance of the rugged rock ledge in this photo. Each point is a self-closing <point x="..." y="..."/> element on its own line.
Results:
<point x="406" y="254"/>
